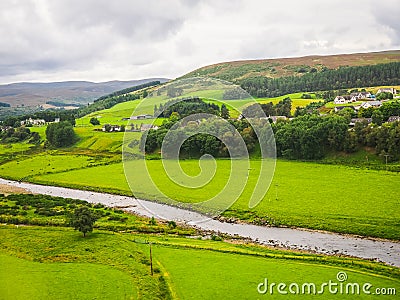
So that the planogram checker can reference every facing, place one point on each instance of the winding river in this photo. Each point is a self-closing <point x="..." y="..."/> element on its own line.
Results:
<point x="319" y="242"/>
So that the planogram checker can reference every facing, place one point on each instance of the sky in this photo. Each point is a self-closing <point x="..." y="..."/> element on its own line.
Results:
<point x="102" y="40"/>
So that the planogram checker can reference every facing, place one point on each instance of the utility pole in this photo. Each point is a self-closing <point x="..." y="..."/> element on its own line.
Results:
<point x="151" y="261"/>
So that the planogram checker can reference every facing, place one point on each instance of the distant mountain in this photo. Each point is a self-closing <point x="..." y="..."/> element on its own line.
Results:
<point x="78" y="92"/>
<point x="282" y="67"/>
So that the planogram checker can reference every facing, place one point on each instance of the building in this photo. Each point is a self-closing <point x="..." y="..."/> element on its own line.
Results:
<point x="33" y="122"/>
<point x="368" y="104"/>
<point x="387" y="90"/>
<point x="145" y="127"/>
<point x="112" y="128"/>
<point x="345" y="99"/>
<point x="360" y="120"/>
<point x="140" y="117"/>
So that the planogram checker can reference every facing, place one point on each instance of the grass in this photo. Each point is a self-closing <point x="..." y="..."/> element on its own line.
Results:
<point x="49" y="162"/>
<point x="59" y="254"/>
<point x="225" y="276"/>
<point x="23" y="279"/>
<point x="57" y="263"/>
<point x="325" y="197"/>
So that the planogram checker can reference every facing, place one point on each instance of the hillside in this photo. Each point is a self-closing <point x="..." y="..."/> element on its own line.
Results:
<point x="81" y="92"/>
<point x="283" y="67"/>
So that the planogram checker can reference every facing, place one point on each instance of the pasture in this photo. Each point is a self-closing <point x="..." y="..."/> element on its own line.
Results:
<point x="58" y="263"/>
<point x="24" y="279"/>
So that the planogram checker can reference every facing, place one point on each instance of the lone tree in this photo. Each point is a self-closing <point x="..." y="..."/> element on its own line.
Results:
<point x="83" y="219"/>
<point x="94" y="121"/>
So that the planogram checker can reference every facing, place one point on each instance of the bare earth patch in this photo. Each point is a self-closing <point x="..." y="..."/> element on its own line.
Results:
<point x="9" y="189"/>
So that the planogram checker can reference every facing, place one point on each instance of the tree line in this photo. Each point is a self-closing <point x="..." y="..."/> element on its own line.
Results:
<point x="129" y="90"/>
<point x="311" y="137"/>
<point x="16" y="135"/>
<point x="326" y="79"/>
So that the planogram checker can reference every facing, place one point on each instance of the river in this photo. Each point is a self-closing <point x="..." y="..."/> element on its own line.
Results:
<point x="319" y="242"/>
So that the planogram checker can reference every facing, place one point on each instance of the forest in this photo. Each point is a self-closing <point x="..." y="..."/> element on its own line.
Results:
<point x="326" y="79"/>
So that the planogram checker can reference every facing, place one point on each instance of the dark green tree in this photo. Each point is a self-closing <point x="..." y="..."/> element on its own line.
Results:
<point x="83" y="219"/>
<point x="224" y="112"/>
<point x="61" y="134"/>
<point x="94" y="121"/>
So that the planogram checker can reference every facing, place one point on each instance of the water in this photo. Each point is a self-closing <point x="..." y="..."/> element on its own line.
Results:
<point x="320" y="242"/>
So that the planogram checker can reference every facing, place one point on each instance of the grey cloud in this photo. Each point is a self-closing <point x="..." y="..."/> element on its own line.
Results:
<point x="126" y="39"/>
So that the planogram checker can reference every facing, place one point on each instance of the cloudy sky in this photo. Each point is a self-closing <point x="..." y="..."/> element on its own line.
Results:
<point x="99" y="40"/>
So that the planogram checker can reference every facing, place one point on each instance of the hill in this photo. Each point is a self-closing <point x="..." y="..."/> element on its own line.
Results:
<point x="297" y="66"/>
<point x="79" y="92"/>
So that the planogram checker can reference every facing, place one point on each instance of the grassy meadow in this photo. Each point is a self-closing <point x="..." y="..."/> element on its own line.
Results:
<point x="24" y="279"/>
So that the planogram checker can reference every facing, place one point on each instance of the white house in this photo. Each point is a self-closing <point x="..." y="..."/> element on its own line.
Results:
<point x="361" y="95"/>
<point x="33" y="122"/>
<point x="345" y="99"/>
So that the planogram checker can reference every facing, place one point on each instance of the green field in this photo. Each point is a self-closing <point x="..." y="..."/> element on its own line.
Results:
<point x="117" y="267"/>
<point x="310" y="195"/>
<point x="24" y="279"/>
<point x="217" y="275"/>
<point x="58" y="263"/>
